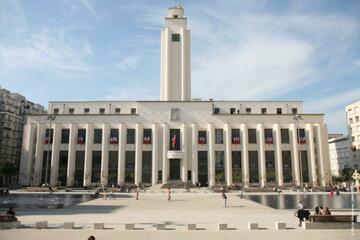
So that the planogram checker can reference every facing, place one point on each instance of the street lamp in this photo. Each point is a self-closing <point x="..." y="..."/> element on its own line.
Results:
<point x="51" y="118"/>
<point x="297" y="118"/>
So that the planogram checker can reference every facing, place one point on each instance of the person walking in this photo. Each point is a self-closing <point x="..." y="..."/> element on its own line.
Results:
<point x="169" y="194"/>
<point x="224" y="197"/>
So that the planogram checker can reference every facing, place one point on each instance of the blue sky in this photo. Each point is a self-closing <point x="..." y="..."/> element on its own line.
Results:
<point x="241" y="50"/>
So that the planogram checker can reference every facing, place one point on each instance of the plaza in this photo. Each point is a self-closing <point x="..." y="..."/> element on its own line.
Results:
<point x="201" y="207"/>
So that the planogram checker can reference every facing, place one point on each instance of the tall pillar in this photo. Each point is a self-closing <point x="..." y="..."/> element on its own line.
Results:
<point x="105" y="154"/>
<point x="260" y="129"/>
<point x="27" y="152"/>
<point x="320" y="154"/>
<point x="155" y="154"/>
<point x="88" y="154"/>
<point x="164" y="153"/>
<point x="194" y="159"/>
<point x="278" y="156"/>
<point x="39" y="152"/>
<point x="295" y="153"/>
<point x="311" y="149"/>
<point x="228" y="165"/>
<point x="54" y="167"/>
<point x="121" y="154"/>
<point x="138" y="154"/>
<point x="184" y="165"/>
<point x="72" y="155"/>
<point x="211" y="155"/>
<point x="245" y="154"/>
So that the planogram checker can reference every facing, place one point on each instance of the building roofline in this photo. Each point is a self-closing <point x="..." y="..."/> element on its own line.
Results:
<point x="195" y="101"/>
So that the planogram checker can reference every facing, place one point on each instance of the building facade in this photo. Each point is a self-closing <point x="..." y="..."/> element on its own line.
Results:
<point x="339" y="150"/>
<point x="13" y="110"/>
<point x="353" y="123"/>
<point x="253" y="143"/>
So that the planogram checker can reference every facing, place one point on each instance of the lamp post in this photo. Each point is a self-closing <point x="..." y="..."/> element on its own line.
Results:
<point x="51" y="118"/>
<point x="297" y="118"/>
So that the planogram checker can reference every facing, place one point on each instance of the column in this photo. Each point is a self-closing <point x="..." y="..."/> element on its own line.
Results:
<point x="278" y="155"/>
<point x="245" y="154"/>
<point x="320" y="154"/>
<point x="311" y="149"/>
<point x="262" y="165"/>
<point x="121" y="156"/>
<point x="39" y="152"/>
<point x="88" y="154"/>
<point x="194" y="158"/>
<point x="138" y="154"/>
<point x="184" y="167"/>
<point x="27" y="152"/>
<point x="164" y="153"/>
<point x="228" y="165"/>
<point x="54" y="167"/>
<point x="105" y="154"/>
<point x="211" y="155"/>
<point x="295" y="153"/>
<point x="155" y="154"/>
<point x="72" y="155"/>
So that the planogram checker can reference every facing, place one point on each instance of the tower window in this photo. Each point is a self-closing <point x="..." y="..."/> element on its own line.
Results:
<point x="175" y="37"/>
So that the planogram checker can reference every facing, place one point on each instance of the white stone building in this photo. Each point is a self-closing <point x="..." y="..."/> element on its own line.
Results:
<point x="176" y="139"/>
<point x="339" y="149"/>
<point x="353" y="122"/>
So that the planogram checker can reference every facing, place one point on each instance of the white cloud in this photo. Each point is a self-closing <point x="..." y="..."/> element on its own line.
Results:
<point x="127" y="63"/>
<point x="90" y="6"/>
<point x="47" y="49"/>
<point x="335" y="100"/>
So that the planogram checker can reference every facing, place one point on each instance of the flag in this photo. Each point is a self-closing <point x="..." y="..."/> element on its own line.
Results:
<point x="173" y="141"/>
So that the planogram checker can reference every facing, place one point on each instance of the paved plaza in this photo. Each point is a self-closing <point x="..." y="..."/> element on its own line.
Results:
<point x="205" y="209"/>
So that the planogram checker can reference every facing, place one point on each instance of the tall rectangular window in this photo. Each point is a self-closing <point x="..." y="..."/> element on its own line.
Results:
<point x="236" y="166"/>
<point x="270" y="166"/>
<point x="147" y="136"/>
<point x="114" y="136"/>
<point x="174" y="139"/>
<point x="235" y="136"/>
<point x="248" y="110"/>
<point x="175" y="37"/>
<point x="49" y="135"/>
<point x="202" y="137"/>
<point x="287" y="168"/>
<point x="219" y="167"/>
<point x="129" y="166"/>
<point x="113" y="167"/>
<point x="96" y="166"/>
<point x="97" y="135"/>
<point x="252" y="135"/>
<point x="263" y="111"/>
<point x="253" y="166"/>
<point x="219" y="138"/>
<point x="146" y="166"/>
<point x="65" y="135"/>
<point x="301" y="137"/>
<point x="268" y="135"/>
<point x="278" y="111"/>
<point x="285" y="135"/>
<point x="130" y="136"/>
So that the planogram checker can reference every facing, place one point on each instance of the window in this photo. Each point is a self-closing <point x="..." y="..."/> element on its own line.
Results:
<point x="175" y="37"/>
<point x="202" y="137"/>
<point x="252" y="135"/>
<point x="219" y="139"/>
<point x="357" y="118"/>
<point x="263" y="111"/>
<point x="117" y="110"/>
<point x="268" y="135"/>
<point x="235" y="136"/>
<point x="301" y="136"/>
<point x="56" y="111"/>
<point x="232" y="110"/>
<point x="350" y="120"/>
<point x="220" y="166"/>
<point x="71" y="111"/>
<point x="114" y="136"/>
<point x="248" y="110"/>
<point x="285" y="135"/>
<point x="294" y="111"/>
<point x="130" y="136"/>
<point x="86" y="110"/>
<point x="216" y="110"/>
<point x="133" y="110"/>
<point x="147" y="136"/>
<point x="49" y="134"/>
<point x="174" y="139"/>
<point x="97" y="135"/>
<point x="102" y="111"/>
<point x="81" y="137"/>
<point x="65" y="134"/>
<point x="278" y="111"/>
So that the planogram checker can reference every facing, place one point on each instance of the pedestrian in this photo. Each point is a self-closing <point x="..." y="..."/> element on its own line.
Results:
<point x="300" y="205"/>
<point x="317" y="211"/>
<point x="327" y="211"/>
<point x="224" y="197"/>
<point x="137" y="193"/>
<point x="169" y="194"/>
<point x="302" y="214"/>
<point x="322" y="211"/>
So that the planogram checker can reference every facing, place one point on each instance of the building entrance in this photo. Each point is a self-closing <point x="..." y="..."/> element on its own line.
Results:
<point x="174" y="169"/>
